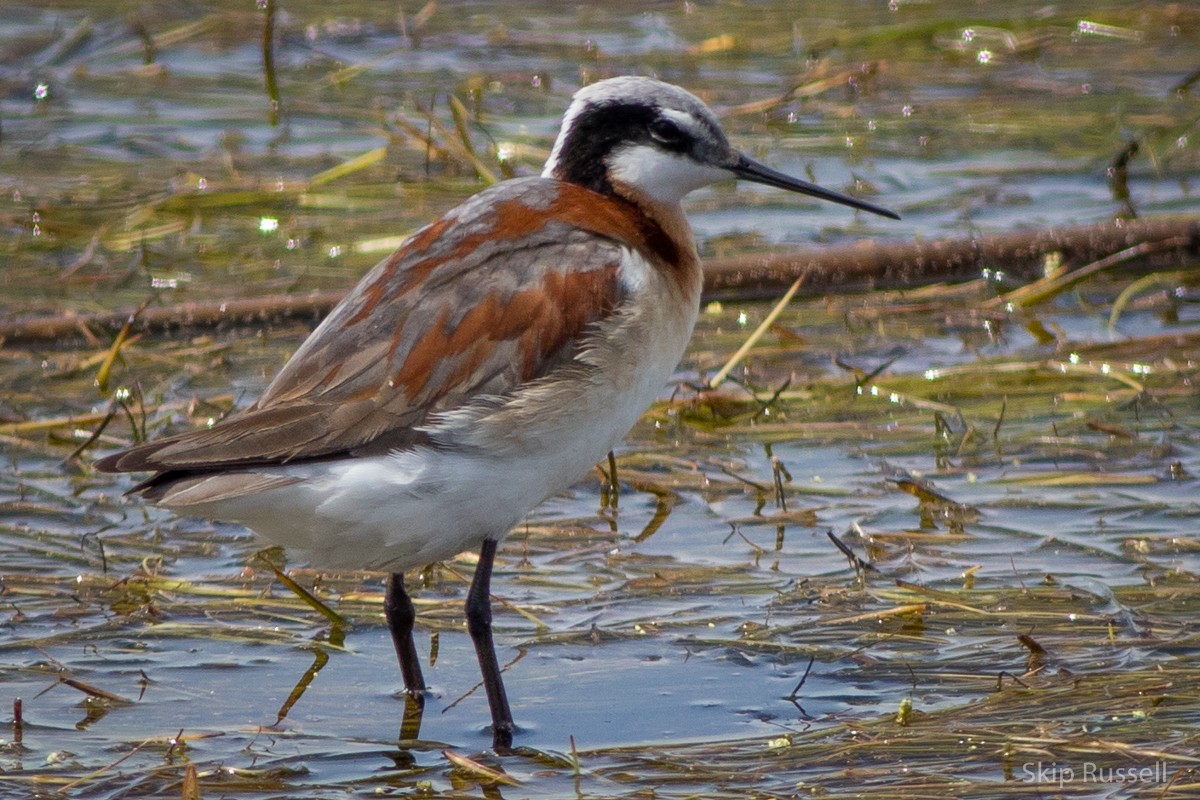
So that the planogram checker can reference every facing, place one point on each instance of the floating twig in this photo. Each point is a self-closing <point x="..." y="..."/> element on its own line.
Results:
<point x="268" y="54"/>
<point x="864" y="265"/>
<point x="753" y="338"/>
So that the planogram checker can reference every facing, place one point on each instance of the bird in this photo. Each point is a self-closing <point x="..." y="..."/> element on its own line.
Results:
<point x="487" y="364"/>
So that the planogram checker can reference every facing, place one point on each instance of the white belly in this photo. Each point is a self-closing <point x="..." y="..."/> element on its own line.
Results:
<point x="409" y="508"/>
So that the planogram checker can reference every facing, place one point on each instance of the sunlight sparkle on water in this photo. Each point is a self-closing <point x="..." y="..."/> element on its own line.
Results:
<point x="982" y="159"/>
<point x="1087" y="27"/>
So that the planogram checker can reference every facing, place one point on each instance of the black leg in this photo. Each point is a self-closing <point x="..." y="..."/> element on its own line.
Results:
<point x="479" y="625"/>
<point x="398" y="608"/>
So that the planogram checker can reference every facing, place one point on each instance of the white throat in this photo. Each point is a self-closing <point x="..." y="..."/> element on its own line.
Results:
<point x="658" y="175"/>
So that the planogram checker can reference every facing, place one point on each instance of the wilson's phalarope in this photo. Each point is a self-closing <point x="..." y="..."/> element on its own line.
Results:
<point x="482" y="367"/>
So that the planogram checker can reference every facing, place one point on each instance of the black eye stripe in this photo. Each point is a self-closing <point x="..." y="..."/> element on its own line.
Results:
<point x="599" y="129"/>
<point x="668" y="134"/>
<point x="664" y="129"/>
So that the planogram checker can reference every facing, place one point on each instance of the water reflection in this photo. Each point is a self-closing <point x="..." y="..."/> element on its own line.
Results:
<point x="749" y="577"/>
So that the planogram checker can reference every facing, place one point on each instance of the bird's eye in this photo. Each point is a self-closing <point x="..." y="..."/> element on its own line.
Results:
<point x="668" y="134"/>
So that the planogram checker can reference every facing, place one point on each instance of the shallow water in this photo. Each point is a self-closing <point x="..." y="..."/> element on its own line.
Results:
<point x="672" y="637"/>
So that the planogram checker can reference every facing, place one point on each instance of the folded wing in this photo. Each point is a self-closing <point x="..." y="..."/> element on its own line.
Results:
<point x="493" y="295"/>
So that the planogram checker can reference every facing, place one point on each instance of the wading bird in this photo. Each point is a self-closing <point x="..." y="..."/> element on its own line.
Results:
<point x="484" y="366"/>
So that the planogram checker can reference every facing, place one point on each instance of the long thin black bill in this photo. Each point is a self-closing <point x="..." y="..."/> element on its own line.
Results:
<point x="750" y="170"/>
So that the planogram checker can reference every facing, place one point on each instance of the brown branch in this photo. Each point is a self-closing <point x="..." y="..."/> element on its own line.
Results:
<point x="251" y="311"/>
<point x="864" y="265"/>
<point x="890" y="265"/>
